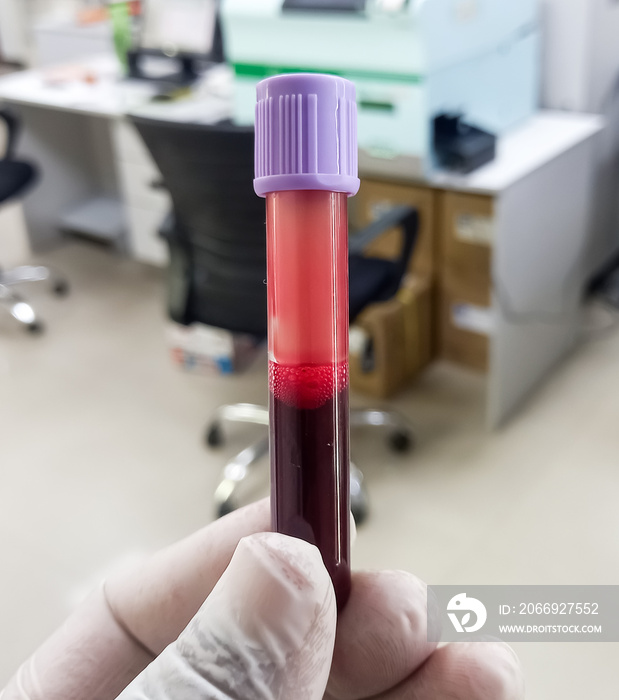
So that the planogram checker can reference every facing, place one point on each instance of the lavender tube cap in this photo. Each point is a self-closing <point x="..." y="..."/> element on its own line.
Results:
<point x="306" y="134"/>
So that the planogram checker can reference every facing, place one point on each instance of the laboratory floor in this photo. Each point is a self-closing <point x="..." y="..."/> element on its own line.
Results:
<point x="102" y="461"/>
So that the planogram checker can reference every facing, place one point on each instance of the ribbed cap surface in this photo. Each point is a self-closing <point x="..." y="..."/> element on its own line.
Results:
<point x="306" y="134"/>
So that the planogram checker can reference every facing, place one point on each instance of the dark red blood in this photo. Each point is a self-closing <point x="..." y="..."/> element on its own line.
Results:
<point x="310" y="484"/>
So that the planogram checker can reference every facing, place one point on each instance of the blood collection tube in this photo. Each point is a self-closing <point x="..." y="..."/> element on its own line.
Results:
<point x="306" y="167"/>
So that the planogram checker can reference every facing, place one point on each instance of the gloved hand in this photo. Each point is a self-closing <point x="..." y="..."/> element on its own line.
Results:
<point x="265" y="627"/>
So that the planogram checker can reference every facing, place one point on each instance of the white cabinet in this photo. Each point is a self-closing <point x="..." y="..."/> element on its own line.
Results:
<point x="146" y="206"/>
<point x="138" y="182"/>
<point x="145" y="243"/>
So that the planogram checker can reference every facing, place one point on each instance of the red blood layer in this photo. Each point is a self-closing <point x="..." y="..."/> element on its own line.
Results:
<point x="307" y="386"/>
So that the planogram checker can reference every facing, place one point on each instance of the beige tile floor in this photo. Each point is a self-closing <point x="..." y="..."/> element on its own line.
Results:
<point x="101" y="460"/>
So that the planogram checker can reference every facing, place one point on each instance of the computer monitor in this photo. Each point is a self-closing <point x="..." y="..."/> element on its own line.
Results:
<point x="179" y="27"/>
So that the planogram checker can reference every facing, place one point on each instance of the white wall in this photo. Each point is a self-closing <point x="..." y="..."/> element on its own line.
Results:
<point x="566" y="53"/>
<point x="581" y="53"/>
<point x="604" y="54"/>
<point x="17" y="19"/>
<point x="14" y="29"/>
<point x="581" y="73"/>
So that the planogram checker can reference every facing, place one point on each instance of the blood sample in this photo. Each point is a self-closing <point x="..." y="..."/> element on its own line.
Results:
<point x="306" y="167"/>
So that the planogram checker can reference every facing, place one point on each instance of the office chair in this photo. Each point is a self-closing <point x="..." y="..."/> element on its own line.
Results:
<point x="16" y="178"/>
<point x="217" y="241"/>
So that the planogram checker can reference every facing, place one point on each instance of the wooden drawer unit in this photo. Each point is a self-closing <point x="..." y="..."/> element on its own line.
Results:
<point x="464" y="326"/>
<point x="466" y="233"/>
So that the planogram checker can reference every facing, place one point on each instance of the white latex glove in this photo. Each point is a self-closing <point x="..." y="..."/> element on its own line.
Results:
<point x="266" y="631"/>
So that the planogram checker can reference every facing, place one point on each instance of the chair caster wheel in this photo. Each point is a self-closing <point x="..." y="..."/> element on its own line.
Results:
<point x="401" y="441"/>
<point x="61" y="288"/>
<point x="360" y="509"/>
<point x="359" y="503"/>
<point x="214" y="436"/>
<point x="225" y="508"/>
<point x="36" y="328"/>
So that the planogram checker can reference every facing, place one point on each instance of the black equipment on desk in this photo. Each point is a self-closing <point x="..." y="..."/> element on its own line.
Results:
<point x="184" y="69"/>
<point x="460" y="146"/>
<point x="325" y="5"/>
<point x="186" y="36"/>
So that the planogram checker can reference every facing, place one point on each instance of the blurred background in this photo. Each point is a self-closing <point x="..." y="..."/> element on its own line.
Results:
<point x="484" y="341"/>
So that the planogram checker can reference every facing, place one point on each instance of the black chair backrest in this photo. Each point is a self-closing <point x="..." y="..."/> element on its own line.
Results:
<point x="219" y="222"/>
<point x="12" y="133"/>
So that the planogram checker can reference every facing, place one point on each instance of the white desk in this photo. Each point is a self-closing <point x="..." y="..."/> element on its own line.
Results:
<point x="112" y="97"/>
<point x="96" y="171"/>
<point x="107" y="97"/>
<point x="541" y="182"/>
<point x="543" y="138"/>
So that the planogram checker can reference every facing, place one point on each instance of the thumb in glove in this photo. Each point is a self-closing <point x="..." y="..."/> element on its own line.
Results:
<point x="266" y="631"/>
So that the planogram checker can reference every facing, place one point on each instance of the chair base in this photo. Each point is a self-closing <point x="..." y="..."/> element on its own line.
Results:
<point x="15" y="304"/>
<point x="237" y="469"/>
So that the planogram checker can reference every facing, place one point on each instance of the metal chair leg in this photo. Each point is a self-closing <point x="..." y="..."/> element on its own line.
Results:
<point x="234" y="413"/>
<point x="25" y="273"/>
<point x="236" y="471"/>
<point x="34" y="273"/>
<point x="400" y="438"/>
<point x="359" y="503"/>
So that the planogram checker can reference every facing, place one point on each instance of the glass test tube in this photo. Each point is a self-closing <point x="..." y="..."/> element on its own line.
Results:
<point x="306" y="123"/>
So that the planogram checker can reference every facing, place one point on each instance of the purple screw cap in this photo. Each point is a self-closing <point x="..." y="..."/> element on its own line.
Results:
<point x="306" y="134"/>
